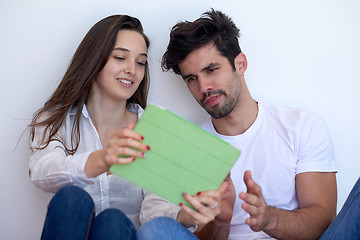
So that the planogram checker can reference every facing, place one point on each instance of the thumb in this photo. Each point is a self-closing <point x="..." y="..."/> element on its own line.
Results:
<point x="248" y="178"/>
<point x="223" y="186"/>
<point x="131" y="126"/>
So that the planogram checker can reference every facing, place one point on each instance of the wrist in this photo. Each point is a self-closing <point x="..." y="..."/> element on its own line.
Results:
<point x="96" y="165"/>
<point x="219" y="223"/>
<point x="223" y="218"/>
<point x="183" y="220"/>
<point x="193" y="228"/>
<point x="271" y="219"/>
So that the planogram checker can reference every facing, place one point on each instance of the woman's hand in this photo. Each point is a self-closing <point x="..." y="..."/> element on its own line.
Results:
<point x="124" y="146"/>
<point x="207" y="204"/>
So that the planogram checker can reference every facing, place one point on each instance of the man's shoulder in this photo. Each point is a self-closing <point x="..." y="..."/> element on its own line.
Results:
<point x="207" y="125"/>
<point x="290" y="115"/>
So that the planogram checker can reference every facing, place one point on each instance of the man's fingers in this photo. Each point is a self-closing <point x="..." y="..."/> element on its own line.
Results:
<point x="251" y="185"/>
<point x="249" y="198"/>
<point x="247" y="177"/>
<point x="224" y="185"/>
<point x="254" y="188"/>
<point x="251" y="209"/>
<point x="251" y="221"/>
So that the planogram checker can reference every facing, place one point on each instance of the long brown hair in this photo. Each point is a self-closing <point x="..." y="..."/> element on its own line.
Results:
<point x="74" y="88"/>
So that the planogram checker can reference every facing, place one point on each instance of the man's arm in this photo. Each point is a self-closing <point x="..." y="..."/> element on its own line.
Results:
<point x="219" y="228"/>
<point x="215" y="230"/>
<point x="316" y="194"/>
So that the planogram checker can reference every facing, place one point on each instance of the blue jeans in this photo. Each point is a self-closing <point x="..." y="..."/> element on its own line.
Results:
<point x="71" y="215"/>
<point x="164" y="228"/>
<point x="347" y="223"/>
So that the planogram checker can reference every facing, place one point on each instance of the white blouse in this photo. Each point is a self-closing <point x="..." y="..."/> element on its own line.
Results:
<point x="51" y="168"/>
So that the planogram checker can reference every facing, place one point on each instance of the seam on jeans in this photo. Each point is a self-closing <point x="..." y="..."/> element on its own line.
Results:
<point x="89" y="224"/>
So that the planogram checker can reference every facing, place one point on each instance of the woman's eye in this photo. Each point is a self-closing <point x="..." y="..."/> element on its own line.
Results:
<point x="119" y="58"/>
<point x="142" y="63"/>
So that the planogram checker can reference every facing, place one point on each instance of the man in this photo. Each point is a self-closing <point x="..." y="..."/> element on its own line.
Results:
<point x="285" y="177"/>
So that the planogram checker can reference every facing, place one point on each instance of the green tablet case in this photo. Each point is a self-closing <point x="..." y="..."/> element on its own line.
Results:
<point x="183" y="157"/>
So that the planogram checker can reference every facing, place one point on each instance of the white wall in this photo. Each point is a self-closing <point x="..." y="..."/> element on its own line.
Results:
<point x="300" y="53"/>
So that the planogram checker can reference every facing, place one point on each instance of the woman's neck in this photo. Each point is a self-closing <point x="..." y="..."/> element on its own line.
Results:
<point x="108" y="116"/>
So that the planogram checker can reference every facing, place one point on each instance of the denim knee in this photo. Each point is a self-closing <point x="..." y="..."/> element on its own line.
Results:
<point x="112" y="224"/>
<point x="164" y="228"/>
<point x="71" y="197"/>
<point x="69" y="214"/>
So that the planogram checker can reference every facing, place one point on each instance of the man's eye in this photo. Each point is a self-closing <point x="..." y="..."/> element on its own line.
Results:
<point x="190" y="79"/>
<point x="212" y="69"/>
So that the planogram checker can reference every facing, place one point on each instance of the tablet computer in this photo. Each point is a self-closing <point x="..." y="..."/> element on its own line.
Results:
<point x="183" y="157"/>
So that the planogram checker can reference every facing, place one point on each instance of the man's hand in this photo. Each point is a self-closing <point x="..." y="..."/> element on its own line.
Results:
<point x="219" y="228"/>
<point x="254" y="204"/>
<point x="228" y="196"/>
<point x="316" y="193"/>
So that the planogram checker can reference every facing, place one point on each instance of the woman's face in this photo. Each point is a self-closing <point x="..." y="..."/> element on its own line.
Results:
<point x="125" y="68"/>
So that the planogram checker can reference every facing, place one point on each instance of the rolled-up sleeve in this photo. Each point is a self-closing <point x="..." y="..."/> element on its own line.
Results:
<point x="154" y="206"/>
<point x="51" y="168"/>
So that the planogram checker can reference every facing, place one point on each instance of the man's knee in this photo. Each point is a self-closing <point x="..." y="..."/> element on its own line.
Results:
<point x="163" y="228"/>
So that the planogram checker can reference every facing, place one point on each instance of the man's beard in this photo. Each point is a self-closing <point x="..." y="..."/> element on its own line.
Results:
<point x="217" y="112"/>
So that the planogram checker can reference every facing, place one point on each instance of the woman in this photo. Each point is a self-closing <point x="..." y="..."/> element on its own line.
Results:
<point x="83" y="129"/>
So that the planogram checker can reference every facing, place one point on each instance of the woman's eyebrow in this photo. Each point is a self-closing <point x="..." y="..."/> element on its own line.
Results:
<point x="127" y="50"/>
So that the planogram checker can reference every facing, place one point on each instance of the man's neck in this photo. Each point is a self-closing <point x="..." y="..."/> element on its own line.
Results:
<point x="239" y="120"/>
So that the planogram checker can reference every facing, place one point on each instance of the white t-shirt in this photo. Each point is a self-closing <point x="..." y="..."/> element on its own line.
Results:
<point x="281" y="143"/>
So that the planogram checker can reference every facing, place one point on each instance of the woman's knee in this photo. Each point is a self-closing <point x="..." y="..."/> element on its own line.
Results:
<point x="112" y="224"/>
<point x="70" y="196"/>
<point x="114" y="215"/>
<point x="69" y="214"/>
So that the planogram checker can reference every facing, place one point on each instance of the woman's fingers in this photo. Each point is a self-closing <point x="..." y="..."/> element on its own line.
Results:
<point x="128" y="132"/>
<point x="207" y="205"/>
<point x="124" y="146"/>
<point x="196" y="217"/>
<point x="131" y="126"/>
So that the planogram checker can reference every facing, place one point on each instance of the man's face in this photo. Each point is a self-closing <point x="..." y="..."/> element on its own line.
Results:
<point x="211" y="80"/>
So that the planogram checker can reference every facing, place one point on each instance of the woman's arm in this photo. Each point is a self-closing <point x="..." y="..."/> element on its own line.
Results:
<point x="124" y="146"/>
<point x="51" y="169"/>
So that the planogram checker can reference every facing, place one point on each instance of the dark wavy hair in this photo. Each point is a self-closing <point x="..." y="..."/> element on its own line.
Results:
<point x="74" y="88"/>
<point x="212" y="26"/>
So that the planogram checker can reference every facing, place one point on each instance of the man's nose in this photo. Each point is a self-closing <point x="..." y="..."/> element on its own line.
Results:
<point x="204" y="84"/>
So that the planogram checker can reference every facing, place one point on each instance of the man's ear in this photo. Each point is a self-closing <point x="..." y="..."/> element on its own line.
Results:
<point x="240" y="63"/>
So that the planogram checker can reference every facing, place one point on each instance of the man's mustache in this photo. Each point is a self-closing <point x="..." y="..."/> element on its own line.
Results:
<point x="209" y="93"/>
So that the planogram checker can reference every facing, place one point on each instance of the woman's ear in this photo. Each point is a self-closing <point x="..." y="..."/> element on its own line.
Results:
<point x="240" y="63"/>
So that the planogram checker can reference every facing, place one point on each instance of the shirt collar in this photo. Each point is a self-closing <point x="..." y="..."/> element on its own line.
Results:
<point x="133" y="107"/>
<point x="84" y="112"/>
